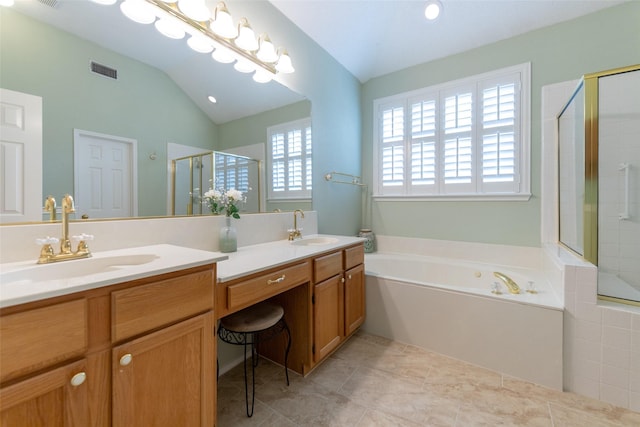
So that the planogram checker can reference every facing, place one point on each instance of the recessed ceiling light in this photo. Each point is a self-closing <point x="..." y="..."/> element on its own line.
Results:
<point x="432" y="10"/>
<point x="212" y="99"/>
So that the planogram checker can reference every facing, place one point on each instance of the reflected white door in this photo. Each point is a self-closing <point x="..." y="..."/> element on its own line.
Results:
<point x="20" y="157"/>
<point x="104" y="175"/>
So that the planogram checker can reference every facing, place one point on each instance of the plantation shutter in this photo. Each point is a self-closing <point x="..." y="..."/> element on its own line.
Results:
<point x="290" y="160"/>
<point x="392" y="155"/>
<point x="457" y="136"/>
<point x="424" y="152"/>
<point x="500" y="133"/>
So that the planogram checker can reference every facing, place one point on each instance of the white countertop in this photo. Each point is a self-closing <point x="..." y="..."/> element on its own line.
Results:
<point x="27" y="281"/>
<point x="255" y="258"/>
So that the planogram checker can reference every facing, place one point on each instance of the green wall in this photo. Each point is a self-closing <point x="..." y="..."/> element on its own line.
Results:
<point x="143" y="104"/>
<point x="600" y="41"/>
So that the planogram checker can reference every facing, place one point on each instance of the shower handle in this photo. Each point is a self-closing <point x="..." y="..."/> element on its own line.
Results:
<point x="625" y="167"/>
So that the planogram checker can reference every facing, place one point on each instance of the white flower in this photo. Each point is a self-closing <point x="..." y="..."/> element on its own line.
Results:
<point x="213" y="194"/>
<point x="234" y="195"/>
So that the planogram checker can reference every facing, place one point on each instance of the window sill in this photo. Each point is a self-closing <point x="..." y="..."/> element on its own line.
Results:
<point x="456" y="198"/>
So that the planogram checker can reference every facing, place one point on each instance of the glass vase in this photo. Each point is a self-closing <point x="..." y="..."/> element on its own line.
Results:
<point x="228" y="240"/>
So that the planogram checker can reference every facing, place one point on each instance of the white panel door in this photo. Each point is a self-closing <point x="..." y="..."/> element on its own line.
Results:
<point x="104" y="175"/>
<point x="20" y="157"/>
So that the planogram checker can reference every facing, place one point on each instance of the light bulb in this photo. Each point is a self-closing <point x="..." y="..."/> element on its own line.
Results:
<point x="284" y="64"/>
<point x="267" y="51"/>
<point x="262" y="76"/>
<point x="194" y="9"/>
<point x="200" y="43"/>
<point x="246" y="37"/>
<point x="244" y="66"/>
<point x="222" y="23"/>
<point x="223" y="55"/>
<point x="170" y="28"/>
<point x="138" y="10"/>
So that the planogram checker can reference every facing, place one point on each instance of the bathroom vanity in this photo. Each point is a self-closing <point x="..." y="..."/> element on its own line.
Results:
<point x="130" y="340"/>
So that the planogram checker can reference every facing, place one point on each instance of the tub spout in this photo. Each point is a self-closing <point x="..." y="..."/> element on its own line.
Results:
<point x="508" y="282"/>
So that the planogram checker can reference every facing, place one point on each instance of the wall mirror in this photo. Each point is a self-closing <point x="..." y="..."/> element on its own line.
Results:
<point x="159" y="97"/>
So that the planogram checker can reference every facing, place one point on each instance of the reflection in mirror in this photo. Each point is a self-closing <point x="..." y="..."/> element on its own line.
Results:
<point x="571" y="180"/>
<point x="193" y="176"/>
<point x="158" y="97"/>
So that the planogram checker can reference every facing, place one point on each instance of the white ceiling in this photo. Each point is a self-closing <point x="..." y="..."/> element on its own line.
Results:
<point x="371" y="38"/>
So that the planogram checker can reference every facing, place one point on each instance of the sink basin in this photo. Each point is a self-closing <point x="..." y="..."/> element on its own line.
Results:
<point x="315" y="241"/>
<point x="76" y="268"/>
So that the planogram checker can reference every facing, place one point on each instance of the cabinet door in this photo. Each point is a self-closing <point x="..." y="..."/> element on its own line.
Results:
<point x="167" y="378"/>
<point x="54" y="398"/>
<point x="328" y="316"/>
<point x="354" y="299"/>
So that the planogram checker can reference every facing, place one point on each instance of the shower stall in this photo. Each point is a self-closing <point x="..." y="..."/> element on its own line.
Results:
<point x="599" y="179"/>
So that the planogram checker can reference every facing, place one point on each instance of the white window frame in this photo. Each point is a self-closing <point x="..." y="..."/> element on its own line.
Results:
<point x="517" y="190"/>
<point x="289" y="195"/>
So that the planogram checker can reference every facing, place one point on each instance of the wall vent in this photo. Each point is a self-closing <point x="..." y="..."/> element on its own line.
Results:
<point x="50" y="3"/>
<point x="104" y="70"/>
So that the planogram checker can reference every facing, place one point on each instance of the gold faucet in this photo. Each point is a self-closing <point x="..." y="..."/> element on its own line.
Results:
<point x="508" y="282"/>
<point x="47" y="253"/>
<point x="295" y="233"/>
<point x="50" y="206"/>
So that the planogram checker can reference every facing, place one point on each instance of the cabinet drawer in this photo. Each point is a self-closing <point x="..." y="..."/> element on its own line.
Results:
<point x="142" y="308"/>
<point x="34" y="339"/>
<point x="250" y="291"/>
<point x="327" y="266"/>
<point x="353" y="256"/>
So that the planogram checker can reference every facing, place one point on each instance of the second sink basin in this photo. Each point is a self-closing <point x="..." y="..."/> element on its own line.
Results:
<point x="315" y="241"/>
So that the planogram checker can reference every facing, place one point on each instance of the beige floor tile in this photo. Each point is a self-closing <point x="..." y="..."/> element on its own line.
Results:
<point x="372" y="381"/>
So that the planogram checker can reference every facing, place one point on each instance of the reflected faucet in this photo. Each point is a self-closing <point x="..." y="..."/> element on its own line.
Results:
<point x="295" y="233"/>
<point x="508" y="282"/>
<point x="50" y="206"/>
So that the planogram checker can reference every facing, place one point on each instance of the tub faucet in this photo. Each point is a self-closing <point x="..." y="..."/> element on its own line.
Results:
<point x="295" y="233"/>
<point x="508" y="282"/>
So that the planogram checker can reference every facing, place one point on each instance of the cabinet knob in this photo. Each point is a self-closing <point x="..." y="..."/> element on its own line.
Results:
<point x="126" y="359"/>
<point x="349" y="277"/>
<point x="78" y="379"/>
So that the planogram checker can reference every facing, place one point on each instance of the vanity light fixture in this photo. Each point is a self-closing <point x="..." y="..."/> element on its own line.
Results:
<point x="432" y="10"/>
<point x="212" y="99"/>
<point x="212" y="32"/>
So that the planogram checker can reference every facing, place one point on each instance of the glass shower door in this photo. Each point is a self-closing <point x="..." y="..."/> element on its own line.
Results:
<point x="619" y="186"/>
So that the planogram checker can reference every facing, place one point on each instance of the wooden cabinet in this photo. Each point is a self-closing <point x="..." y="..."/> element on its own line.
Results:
<point x="354" y="299"/>
<point x="165" y="378"/>
<point x="136" y="353"/>
<point x="338" y="299"/>
<point x="57" y="397"/>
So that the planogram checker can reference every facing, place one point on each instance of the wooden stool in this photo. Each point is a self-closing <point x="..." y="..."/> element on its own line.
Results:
<point x="249" y="327"/>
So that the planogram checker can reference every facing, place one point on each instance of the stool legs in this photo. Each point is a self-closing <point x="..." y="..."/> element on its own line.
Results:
<point x="253" y="376"/>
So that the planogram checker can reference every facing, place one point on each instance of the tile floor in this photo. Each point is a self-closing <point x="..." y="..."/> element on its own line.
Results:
<point x="371" y="381"/>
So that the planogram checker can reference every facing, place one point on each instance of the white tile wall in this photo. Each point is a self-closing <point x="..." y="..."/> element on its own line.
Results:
<point x="601" y="339"/>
